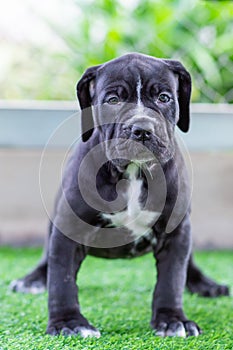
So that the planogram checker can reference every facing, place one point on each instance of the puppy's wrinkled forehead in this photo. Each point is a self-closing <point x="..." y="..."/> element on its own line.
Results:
<point x="136" y="73"/>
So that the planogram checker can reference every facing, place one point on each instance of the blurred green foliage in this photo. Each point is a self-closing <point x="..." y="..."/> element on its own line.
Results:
<point x="199" y="33"/>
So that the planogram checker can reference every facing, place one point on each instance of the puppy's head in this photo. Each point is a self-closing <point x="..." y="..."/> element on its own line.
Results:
<point x="136" y="100"/>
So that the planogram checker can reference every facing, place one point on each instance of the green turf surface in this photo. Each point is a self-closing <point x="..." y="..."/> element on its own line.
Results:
<point x="115" y="296"/>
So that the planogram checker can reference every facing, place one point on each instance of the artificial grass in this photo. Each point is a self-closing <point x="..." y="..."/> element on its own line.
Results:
<point x="115" y="295"/>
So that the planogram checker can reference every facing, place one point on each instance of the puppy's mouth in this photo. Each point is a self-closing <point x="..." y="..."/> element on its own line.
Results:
<point x="140" y="152"/>
<point x="124" y="152"/>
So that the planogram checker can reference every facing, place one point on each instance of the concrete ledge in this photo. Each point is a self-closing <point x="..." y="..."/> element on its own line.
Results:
<point x="31" y="123"/>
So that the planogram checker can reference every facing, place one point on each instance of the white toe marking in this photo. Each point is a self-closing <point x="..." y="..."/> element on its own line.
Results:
<point x="154" y="241"/>
<point x="160" y="333"/>
<point x="35" y="290"/>
<point x="195" y="332"/>
<point x="180" y="332"/>
<point x="86" y="332"/>
<point x="19" y="286"/>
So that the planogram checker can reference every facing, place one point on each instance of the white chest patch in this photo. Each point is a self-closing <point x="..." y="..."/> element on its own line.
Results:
<point x="135" y="219"/>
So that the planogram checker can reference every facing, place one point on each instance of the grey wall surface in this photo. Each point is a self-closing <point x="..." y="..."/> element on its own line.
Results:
<point x="25" y="130"/>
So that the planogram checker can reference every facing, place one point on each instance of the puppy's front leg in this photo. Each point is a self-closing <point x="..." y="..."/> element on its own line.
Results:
<point x="168" y="318"/>
<point x="65" y="258"/>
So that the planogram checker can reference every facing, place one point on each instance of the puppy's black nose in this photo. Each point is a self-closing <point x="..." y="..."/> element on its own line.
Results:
<point x="140" y="134"/>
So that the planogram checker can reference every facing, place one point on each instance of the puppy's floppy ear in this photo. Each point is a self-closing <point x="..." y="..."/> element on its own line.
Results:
<point x="185" y="86"/>
<point x="85" y="101"/>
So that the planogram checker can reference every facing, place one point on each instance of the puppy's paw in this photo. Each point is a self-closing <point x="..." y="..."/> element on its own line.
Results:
<point x="206" y="287"/>
<point x="170" y="323"/>
<point x="34" y="282"/>
<point x="24" y="286"/>
<point x="72" y="327"/>
<point x="177" y="329"/>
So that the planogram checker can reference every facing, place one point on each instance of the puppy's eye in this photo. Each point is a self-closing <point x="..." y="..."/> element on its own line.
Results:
<point x="113" y="100"/>
<point x="164" y="98"/>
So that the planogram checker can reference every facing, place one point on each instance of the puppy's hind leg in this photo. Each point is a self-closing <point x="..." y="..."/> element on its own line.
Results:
<point x="34" y="282"/>
<point x="198" y="283"/>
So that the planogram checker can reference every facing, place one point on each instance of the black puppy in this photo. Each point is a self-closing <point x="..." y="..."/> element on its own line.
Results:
<point x="125" y="192"/>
